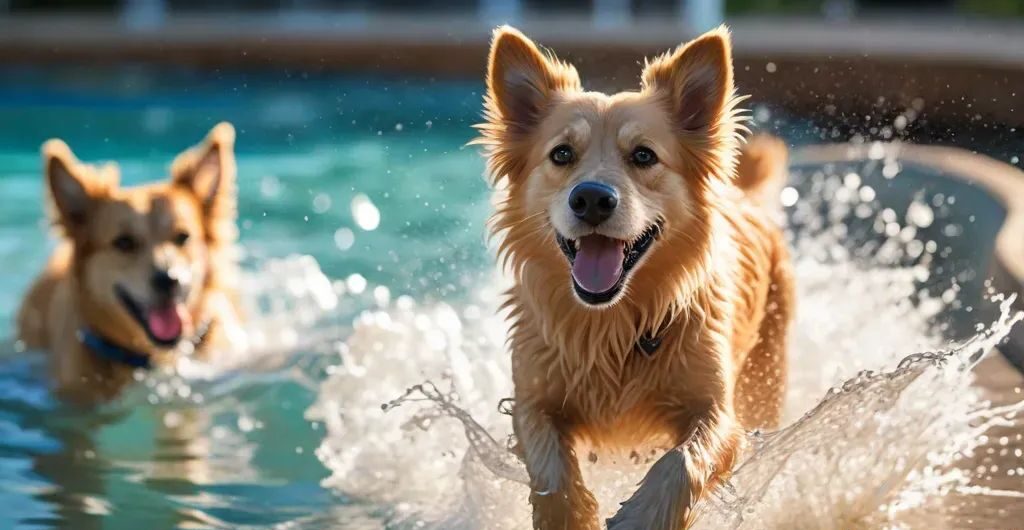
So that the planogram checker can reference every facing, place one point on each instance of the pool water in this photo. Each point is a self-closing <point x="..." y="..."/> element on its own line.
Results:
<point x="312" y="154"/>
<point x="367" y="272"/>
<point x="306" y="148"/>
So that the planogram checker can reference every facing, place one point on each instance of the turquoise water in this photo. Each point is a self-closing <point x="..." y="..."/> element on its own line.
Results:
<point x="398" y="143"/>
<point x="306" y="148"/>
<point x="349" y="313"/>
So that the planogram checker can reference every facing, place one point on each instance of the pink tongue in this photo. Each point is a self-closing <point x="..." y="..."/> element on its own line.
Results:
<point x="164" y="322"/>
<point x="598" y="264"/>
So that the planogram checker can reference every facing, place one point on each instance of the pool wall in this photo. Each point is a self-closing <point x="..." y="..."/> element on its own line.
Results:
<point x="961" y="69"/>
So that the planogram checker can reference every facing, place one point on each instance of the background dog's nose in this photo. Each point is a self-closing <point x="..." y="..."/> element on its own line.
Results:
<point x="593" y="202"/>
<point x="163" y="282"/>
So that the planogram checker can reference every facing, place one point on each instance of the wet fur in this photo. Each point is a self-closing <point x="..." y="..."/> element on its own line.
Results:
<point x="717" y="280"/>
<point x="89" y="209"/>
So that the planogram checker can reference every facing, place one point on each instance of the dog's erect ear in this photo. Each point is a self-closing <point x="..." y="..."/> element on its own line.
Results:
<point x="696" y="78"/>
<point x="208" y="169"/>
<point x="73" y="186"/>
<point x="522" y="80"/>
<point x="208" y="172"/>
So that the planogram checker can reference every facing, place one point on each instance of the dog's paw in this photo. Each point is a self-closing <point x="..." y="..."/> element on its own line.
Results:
<point x="662" y="502"/>
<point x="623" y="521"/>
<point x="633" y="516"/>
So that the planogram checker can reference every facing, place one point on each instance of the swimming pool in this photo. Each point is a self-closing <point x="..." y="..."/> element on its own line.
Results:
<point x="308" y="149"/>
<point x="362" y="227"/>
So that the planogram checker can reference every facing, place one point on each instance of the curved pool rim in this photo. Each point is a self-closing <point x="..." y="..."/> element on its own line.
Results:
<point x="1004" y="183"/>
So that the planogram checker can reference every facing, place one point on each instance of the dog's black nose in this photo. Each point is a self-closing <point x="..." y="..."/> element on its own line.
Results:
<point x="163" y="282"/>
<point x="593" y="202"/>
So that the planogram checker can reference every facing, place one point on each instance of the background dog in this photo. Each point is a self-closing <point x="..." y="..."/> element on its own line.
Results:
<point x="141" y="274"/>
<point x="653" y="290"/>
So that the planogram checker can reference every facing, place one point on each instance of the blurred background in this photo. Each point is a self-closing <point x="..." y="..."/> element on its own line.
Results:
<point x="362" y="91"/>
<point x="355" y="181"/>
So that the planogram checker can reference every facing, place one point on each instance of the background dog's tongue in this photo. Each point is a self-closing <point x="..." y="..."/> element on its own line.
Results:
<point x="598" y="263"/>
<point x="164" y="322"/>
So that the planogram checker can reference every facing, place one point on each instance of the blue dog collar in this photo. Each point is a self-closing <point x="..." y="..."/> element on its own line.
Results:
<point x="112" y="352"/>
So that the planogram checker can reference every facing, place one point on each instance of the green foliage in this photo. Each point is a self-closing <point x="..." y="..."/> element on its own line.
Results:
<point x="765" y="7"/>
<point x="992" y="7"/>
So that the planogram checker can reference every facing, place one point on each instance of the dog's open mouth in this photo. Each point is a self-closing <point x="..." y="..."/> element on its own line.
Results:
<point x="600" y="264"/>
<point x="162" y="322"/>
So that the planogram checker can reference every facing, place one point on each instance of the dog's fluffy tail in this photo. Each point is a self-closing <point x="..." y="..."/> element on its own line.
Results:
<point x="761" y="169"/>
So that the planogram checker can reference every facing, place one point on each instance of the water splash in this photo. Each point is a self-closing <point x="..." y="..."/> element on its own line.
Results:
<point x="880" y="449"/>
<point x="408" y="461"/>
<point x="872" y="450"/>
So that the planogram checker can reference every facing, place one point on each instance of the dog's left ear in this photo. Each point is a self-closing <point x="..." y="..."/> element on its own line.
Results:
<point x="696" y="78"/>
<point x="208" y="171"/>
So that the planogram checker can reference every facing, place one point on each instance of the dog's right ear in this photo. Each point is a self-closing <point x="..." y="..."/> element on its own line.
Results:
<point x="71" y="185"/>
<point x="208" y="172"/>
<point x="522" y="80"/>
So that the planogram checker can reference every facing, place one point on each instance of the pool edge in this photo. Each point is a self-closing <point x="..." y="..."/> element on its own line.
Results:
<point x="1005" y="183"/>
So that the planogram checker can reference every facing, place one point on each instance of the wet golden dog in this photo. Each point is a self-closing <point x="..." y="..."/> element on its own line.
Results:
<point x="141" y="274"/>
<point x="653" y="292"/>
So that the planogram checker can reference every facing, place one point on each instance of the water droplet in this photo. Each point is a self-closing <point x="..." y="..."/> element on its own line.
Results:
<point x="365" y="213"/>
<point x="344" y="238"/>
<point x="321" y="203"/>
<point x="789" y="196"/>
<point x="355" y="283"/>
<point x="270" y="187"/>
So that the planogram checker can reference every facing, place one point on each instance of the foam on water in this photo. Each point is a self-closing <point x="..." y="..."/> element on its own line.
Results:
<point x="875" y="423"/>
<point x="872" y="451"/>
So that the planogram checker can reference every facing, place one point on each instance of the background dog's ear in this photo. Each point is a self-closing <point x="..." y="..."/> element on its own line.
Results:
<point x="208" y="169"/>
<point x="521" y="80"/>
<point x="208" y="172"/>
<point x="697" y="79"/>
<point x="73" y="187"/>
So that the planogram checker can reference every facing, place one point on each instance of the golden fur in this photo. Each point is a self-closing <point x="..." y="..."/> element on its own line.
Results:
<point x="77" y="288"/>
<point x="716" y="284"/>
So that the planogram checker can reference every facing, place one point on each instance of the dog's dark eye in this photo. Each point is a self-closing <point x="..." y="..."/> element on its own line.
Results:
<point x="181" y="238"/>
<point x="125" y="243"/>
<point x="562" y="155"/>
<point x="643" y="157"/>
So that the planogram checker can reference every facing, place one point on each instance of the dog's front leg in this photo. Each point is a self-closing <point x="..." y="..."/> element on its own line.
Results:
<point x="560" y="500"/>
<point x="666" y="496"/>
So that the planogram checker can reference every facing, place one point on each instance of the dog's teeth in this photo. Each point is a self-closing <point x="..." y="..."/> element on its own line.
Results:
<point x="576" y="244"/>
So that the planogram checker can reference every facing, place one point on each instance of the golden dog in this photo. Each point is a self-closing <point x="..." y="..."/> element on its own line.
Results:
<point x="141" y="274"/>
<point x="653" y="291"/>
